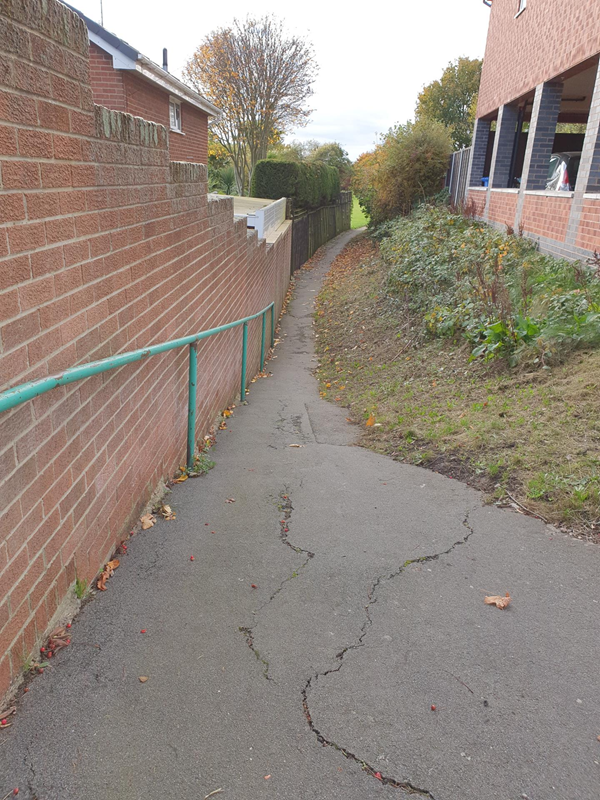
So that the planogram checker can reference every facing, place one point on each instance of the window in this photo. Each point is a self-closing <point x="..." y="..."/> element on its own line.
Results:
<point x="522" y="7"/>
<point x="175" y="114"/>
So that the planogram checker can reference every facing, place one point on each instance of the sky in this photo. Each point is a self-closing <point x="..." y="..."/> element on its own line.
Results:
<point x="373" y="62"/>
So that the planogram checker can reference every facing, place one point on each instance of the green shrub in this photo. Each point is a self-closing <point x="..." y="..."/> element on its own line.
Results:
<point x="309" y="185"/>
<point x="464" y="278"/>
<point x="406" y="168"/>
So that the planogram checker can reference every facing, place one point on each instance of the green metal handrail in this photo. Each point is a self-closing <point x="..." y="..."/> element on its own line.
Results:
<point x="27" y="391"/>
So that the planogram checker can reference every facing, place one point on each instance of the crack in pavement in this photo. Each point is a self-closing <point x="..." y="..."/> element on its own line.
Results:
<point x="372" y="599"/>
<point x="285" y="506"/>
<point x="31" y="778"/>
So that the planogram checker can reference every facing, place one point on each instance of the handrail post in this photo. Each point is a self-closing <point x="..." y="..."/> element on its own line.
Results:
<point x="244" y="354"/>
<point x="262" y="341"/>
<point x="193" y="379"/>
<point x="273" y="325"/>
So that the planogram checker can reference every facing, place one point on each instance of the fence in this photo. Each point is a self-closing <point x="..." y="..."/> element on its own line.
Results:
<point x="456" y="181"/>
<point x="311" y="229"/>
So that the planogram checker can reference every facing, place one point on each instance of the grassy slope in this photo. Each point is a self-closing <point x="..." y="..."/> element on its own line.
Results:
<point x="535" y="435"/>
<point x="359" y="219"/>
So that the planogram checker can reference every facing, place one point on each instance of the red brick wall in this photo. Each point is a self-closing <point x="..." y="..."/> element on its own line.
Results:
<point x="476" y="202"/>
<point x="588" y="235"/>
<point x="547" y="39"/>
<point x="502" y="208"/>
<point x="124" y="90"/>
<point x="105" y="246"/>
<point x="107" y="82"/>
<point x="546" y="215"/>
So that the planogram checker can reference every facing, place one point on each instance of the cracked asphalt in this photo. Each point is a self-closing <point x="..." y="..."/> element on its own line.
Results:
<point x="368" y="610"/>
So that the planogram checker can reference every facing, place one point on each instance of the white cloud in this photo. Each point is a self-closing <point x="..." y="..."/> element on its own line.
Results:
<point x="373" y="60"/>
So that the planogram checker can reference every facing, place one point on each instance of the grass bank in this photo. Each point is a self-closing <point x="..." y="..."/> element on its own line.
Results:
<point x="359" y="219"/>
<point x="525" y="435"/>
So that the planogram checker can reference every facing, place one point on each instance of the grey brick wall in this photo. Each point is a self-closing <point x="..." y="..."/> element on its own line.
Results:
<point x="503" y="147"/>
<point x="480" y="142"/>
<point x="542" y="131"/>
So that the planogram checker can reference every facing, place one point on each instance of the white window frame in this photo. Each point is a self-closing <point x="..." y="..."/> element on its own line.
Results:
<point x="522" y="7"/>
<point x="175" y="114"/>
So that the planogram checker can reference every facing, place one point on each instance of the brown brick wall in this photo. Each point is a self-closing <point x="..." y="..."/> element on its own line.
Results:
<point x="546" y="215"/>
<point x="475" y="202"/>
<point x="105" y="246"/>
<point x="123" y="90"/>
<point x="107" y="82"/>
<point x="548" y="38"/>
<point x="588" y="235"/>
<point x="502" y="208"/>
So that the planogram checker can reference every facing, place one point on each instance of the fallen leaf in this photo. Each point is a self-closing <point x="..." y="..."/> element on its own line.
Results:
<point x="267" y="777"/>
<point x="181" y="479"/>
<point x="210" y="794"/>
<point x="143" y="678"/>
<point x="112" y="565"/>
<point x="147" y="521"/>
<point x="497" y="600"/>
<point x="167" y="512"/>
<point x="370" y="422"/>
<point x="296" y="445"/>
<point x="226" y="413"/>
<point x="230" y="500"/>
<point x="223" y="426"/>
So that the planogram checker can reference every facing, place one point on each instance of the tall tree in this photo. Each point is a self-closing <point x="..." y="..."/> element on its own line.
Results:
<point x="453" y="99"/>
<point x="260" y="78"/>
<point x="333" y="153"/>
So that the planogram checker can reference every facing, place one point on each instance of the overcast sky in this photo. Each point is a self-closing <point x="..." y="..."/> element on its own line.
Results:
<point x="373" y="60"/>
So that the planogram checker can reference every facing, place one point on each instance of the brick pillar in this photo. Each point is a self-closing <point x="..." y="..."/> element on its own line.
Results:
<point x="542" y="130"/>
<point x="481" y="135"/>
<point x="540" y="139"/>
<point x="588" y="178"/>
<point x="504" y="143"/>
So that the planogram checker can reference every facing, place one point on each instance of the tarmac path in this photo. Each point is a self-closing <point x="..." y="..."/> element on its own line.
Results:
<point x="368" y="611"/>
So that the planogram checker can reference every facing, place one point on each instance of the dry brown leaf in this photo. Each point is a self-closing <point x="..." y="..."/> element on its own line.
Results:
<point x="181" y="479"/>
<point x="112" y="565"/>
<point x="167" y="512"/>
<point x="497" y="600"/>
<point x="143" y="678"/>
<point x="296" y="445"/>
<point x="147" y="521"/>
<point x="371" y="421"/>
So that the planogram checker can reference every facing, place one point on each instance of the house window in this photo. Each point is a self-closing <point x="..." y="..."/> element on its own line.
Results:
<point x="175" y="114"/>
<point x="522" y="7"/>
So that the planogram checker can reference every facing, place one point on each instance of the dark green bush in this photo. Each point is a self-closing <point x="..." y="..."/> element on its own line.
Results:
<point x="309" y="185"/>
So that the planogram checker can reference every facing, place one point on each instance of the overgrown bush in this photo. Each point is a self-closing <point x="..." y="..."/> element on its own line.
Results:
<point x="465" y="278"/>
<point x="405" y="169"/>
<point x="309" y="185"/>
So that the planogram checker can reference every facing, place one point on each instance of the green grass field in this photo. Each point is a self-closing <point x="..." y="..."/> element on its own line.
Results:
<point x="358" y="215"/>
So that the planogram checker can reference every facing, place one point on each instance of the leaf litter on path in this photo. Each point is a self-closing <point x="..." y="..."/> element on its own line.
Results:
<point x="107" y="572"/>
<point x="497" y="600"/>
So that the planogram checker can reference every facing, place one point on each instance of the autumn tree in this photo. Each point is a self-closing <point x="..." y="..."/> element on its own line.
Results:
<point x="407" y="167"/>
<point x="453" y="99"/>
<point x="260" y="78"/>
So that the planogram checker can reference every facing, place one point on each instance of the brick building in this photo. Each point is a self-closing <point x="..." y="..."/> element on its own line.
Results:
<point x="540" y="70"/>
<point x="123" y="79"/>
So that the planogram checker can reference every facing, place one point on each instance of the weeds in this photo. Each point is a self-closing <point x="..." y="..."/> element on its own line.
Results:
<point x="81" y="588"/>
<point x="462" y="278"/>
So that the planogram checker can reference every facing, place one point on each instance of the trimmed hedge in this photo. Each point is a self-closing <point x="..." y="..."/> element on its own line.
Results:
<point x="309" y="185"/>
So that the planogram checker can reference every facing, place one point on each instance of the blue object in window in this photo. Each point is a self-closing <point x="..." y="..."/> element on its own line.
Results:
<point x="484" y="182"/>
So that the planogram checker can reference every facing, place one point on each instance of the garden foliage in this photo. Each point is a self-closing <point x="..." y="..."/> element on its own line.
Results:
<point x="464" y="278"/>
<point x="406" y="168"/>
<point x="308" y="184"/>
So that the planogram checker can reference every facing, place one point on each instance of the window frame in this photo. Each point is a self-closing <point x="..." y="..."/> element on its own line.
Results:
<point x="175" y="105"/>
